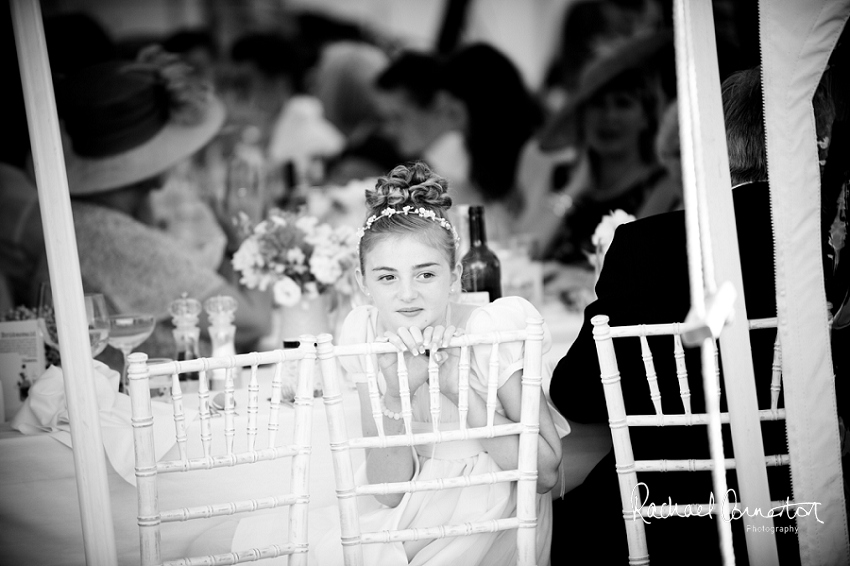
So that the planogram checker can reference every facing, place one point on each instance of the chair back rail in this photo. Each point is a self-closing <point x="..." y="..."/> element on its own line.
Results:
<point x="627" y="466"/>
<point x="525" y="475"/>
<point x="151" y="516"/>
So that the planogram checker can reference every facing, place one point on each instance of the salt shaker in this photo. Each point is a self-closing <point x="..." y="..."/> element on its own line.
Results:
<point x="221" y="310"/>
<point x="184" y="314"/>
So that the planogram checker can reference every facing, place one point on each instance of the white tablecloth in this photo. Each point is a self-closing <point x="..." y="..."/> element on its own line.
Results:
<point x="39" y="515"/>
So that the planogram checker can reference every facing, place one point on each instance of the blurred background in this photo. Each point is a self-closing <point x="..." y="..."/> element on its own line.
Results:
<point x="551" y="114"/>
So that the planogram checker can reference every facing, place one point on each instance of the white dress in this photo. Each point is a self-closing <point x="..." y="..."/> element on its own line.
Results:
<point x="433" y="508"/>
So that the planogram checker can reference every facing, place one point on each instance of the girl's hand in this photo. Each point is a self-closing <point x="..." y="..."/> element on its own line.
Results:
<point x="410" y="342"/>
<point x="414" y="343"/>
<point x="446" y="359"/>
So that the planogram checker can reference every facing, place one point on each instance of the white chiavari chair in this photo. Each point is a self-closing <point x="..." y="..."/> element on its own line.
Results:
<point x="620" y="422"/>
<point x="342" y="443"/>
<point x="150" y="514"/>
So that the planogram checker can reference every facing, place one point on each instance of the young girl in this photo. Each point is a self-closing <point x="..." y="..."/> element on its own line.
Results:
<point x="410" y="271"/>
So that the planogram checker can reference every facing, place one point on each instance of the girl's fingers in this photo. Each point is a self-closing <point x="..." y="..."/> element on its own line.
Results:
<point x="449" y="333"/>
<point x="433" y="337"/>
<point x="412" y="338"/>
<point x="394" y="339"/>
<point x="440" y="357"/>
<point x="428" y="337"/>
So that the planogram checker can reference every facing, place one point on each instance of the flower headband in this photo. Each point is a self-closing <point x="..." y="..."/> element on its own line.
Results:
<point x="421" y="212"/>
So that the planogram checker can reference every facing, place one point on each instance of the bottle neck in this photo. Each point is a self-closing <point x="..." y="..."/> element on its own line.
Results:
<point x="477" y="231"/>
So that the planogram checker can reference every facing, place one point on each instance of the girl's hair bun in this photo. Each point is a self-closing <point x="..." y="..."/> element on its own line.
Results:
<point x="410" y="185"/>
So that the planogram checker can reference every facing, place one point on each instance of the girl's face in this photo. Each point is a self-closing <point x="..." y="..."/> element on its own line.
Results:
<point x="613" y="123"/>
<point x="409" y="282"/>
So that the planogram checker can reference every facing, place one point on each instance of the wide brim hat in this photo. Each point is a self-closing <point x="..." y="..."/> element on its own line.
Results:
<point x="126" y="122"/>
<point x="644" y="52"/>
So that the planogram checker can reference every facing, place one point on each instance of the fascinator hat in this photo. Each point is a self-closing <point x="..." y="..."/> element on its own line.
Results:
<point x="643" y="53"/>
<point x="128" y="121"/>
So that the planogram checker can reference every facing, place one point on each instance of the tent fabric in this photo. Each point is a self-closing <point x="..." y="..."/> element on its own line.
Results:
<point x="797" y="39"/>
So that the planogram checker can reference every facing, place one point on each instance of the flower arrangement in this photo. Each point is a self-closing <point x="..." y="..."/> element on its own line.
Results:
<point x="296" y="256"/>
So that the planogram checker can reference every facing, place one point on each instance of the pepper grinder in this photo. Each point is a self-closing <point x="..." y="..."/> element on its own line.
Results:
<point x="221" y="310"/>
<point x="184" y="314"/>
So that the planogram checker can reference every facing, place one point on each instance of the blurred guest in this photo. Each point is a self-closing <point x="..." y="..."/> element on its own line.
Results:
<point x="417" y="117"/>
<point x="586" y="25"/>
<point x="657" y="245"/>
<point x="23" y="260"/>
<point x="470" y="118"/>
<point x="127" y="124"/>
<point x="264" y="71"/>
<point x="668" y="195"/>
<point x="198" y="48"/>
<point x="74" y="41"/>
<point x="612" y="123"/>
<point x="344" y="83"/>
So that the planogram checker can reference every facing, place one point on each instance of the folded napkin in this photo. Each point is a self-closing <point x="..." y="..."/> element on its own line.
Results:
<point x="46" y="411"/>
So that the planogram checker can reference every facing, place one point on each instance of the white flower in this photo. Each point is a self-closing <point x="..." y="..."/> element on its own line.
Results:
<point x="604" y="233"/>
<point x="265" y="279"/>
<point x="287" y="292"/>
<point x="325" y="269"/>
<point x="311" y="290"/>
<point x="247" y="254"/>
<point x="307" y="224"/>
<point x="295" y="255"/>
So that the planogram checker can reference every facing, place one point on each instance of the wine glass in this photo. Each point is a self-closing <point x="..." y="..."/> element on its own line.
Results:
<point x="126" y="331"/>
<point x="45" y="312"/>
<point x="98" y="319"/>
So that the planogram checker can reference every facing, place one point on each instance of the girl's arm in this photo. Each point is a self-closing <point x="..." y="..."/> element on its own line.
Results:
<point x="385" y="464"/>
<point x="505" y="450"/>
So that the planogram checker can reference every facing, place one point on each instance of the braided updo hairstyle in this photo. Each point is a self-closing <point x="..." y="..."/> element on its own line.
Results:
<point x="409" y="185"/>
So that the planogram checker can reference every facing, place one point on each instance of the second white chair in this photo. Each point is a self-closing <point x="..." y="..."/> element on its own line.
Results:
<point x="342" y="443"/>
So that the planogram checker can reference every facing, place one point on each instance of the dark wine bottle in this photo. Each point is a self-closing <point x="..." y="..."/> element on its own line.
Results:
<point x="481" y="268"/>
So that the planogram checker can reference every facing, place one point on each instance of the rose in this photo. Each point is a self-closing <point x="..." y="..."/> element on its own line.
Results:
<point x="286" y="292"/>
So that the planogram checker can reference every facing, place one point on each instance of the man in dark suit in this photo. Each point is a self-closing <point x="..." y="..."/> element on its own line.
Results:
<point x="645" y="281"/>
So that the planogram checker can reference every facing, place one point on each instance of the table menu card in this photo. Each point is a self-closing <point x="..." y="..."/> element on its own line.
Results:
<point x="21" y="363"/>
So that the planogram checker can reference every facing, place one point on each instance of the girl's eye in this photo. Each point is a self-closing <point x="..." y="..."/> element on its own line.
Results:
<point x="386" y="277"/>
<point x="426" y="275"/>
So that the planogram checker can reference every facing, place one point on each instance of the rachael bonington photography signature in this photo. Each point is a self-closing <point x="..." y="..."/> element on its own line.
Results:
<point x="789" y="509"/>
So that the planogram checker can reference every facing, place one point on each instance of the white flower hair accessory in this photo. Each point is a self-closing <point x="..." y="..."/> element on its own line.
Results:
<point x="406" y="210"/>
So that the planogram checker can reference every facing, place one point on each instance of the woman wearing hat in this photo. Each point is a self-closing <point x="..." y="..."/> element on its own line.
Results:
<point x="125" y="126"/>
<point x="611" y="122"/>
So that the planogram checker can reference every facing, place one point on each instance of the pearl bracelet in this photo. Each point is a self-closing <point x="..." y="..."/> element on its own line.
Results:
<point x="387" y="413"/>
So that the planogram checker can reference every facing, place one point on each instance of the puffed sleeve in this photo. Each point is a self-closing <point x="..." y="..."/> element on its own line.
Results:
<point x="356" y="329"/>
<point x="506" y="314"/>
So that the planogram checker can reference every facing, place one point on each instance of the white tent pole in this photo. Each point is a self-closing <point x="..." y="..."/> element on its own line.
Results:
<point x="797" y="39"/>
<point x="62" y="258"/>
<point x="708" y="187"/>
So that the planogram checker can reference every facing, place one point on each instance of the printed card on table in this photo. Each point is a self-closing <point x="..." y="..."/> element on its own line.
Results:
<point x="21" y="363"/>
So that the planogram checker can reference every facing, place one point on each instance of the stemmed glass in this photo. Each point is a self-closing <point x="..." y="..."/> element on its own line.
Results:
<point x="98" y="319"/>
<point x="45" y="309"/>
<point x="126" y="331"/>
